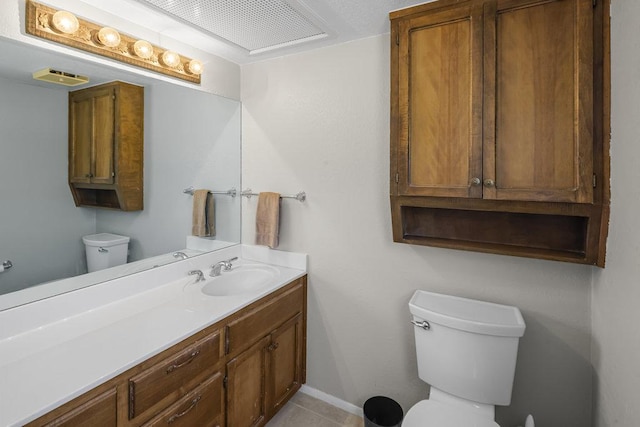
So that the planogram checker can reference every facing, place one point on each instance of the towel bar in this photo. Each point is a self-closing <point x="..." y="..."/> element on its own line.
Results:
<point x="231" y="192"/>
<point x="301" y="196"/>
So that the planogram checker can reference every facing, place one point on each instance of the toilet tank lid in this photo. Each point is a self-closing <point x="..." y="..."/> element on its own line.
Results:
<point x="467" y="314"/>
<point x="104" y="239"/>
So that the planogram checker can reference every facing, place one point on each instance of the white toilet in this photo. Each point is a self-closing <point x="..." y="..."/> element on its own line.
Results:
<point x="467" y="352"/>
<point x="105" y="250"/>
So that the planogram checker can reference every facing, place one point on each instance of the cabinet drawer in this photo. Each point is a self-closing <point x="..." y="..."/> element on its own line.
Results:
<point x="201" y="407"/>
<point x="170" y="379"/>
<point x="257" y="323"/>
<point x="98" y="411"/>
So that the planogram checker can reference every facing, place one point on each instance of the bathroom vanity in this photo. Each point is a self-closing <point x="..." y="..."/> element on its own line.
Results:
<point x="167" y="354"/>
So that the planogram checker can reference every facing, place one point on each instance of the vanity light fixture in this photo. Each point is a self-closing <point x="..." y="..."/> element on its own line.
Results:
<point x="65" y="22"/>
<point x="64" y="27"/>
<point x="195" y="67"/>
<point x="170" y="58"/>
<point x="108" y="37"/>
<point x="143" y="49"/>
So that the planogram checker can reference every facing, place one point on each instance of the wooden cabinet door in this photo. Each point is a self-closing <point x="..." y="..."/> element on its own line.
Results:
<point x="285" y="352"/>
<point x="92" y="127"/>
<point x="103" y="137"/>
<point x="539" y="87"/>
<point x="80" y="140"/>
<point x="247" y="386"/>
<point x="439" y="103"/>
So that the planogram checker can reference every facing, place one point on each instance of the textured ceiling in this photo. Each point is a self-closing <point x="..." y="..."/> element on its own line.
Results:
<point x="247" y="30"/>
<point x="253" y="25"/>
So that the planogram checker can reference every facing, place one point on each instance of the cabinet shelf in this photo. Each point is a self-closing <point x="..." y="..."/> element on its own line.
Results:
<point x="540" y="235"/>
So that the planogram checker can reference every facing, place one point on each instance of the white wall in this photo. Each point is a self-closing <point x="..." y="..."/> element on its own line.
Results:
<point x="616" y="289"/>
<point x="319" y="122"/>
<point x="40" y="227"/>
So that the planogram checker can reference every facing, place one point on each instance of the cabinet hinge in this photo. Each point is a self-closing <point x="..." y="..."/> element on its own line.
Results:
<point x="595" y="3"/>
<point x="397" y="39"/>
<point x="397" y="178"/>
<point x="594" y="180"/>
<point x="224" y="381"/>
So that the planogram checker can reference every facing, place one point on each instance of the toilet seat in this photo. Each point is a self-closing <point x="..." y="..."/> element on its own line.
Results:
<point x="430" y="413"/>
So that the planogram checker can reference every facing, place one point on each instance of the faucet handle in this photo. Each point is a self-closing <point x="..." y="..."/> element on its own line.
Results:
<point x="227" y="264"/>
<point x="199" y="273"/>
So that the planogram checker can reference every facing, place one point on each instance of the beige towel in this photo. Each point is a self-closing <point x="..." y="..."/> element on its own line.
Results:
<point x="203" y="214"/>
<point x="268" y="219"/>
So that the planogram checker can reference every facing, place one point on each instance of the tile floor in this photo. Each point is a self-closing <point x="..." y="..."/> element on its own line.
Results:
<point x="306" y="411"/>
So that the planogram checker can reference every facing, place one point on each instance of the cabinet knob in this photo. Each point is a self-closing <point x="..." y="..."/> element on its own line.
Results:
<point x="273" y="346"/>
<point x="475" y="181"/>
<point x="489" y="183"/>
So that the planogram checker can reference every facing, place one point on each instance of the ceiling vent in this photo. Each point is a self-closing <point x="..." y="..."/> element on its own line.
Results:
<point x="60" y="77"/>
<point x="254" y="25"/>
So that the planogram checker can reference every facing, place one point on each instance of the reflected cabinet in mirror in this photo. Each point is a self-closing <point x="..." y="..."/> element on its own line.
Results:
<point x="191" y="139"/>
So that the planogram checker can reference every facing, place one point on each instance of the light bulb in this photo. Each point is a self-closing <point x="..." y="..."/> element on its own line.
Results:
<point x="65" y="22"/>
<point x="171" y="59"/>
<point x="195" y="67"/>
<point x="143" y="49"/>
<point x="109" y="37"/>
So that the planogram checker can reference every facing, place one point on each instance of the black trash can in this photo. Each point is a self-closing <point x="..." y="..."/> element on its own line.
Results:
<point x="381" y="411"/>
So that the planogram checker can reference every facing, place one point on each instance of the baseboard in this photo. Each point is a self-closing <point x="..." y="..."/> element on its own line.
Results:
<point x="332" y="400"/>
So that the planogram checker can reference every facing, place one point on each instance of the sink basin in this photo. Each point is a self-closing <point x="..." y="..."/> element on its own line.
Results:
<point x="240" y="280"/>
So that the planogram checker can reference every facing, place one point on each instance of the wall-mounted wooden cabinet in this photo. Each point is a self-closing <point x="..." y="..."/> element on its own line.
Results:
<point x="497" y="127"/>
<point x="106" y="146"/>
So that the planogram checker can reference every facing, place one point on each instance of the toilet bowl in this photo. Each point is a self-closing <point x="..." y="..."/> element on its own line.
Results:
<point x="105" y="250"/>
<point x="432" y="412"/>
<point x="466" y="351"/>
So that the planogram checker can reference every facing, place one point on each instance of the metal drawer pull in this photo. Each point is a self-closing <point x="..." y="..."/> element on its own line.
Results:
<point x="186" y="362"/>
<point x="194" y="402"/>
<point x="424" y="324"/>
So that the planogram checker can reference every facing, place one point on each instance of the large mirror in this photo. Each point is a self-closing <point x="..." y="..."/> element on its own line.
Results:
<point x="191" y="139"/>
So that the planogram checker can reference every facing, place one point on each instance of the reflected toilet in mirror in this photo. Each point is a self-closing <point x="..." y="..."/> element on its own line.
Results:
<point x="105" y="250"/>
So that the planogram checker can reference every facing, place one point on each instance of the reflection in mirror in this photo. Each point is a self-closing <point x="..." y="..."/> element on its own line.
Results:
<point x="191" y="138"/>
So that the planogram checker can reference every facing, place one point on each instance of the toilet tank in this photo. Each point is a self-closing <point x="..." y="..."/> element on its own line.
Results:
<point x="105" y="250"/>
<point x="469" y="348"/>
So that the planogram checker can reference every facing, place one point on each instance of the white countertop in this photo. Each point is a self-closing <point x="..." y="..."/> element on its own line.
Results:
<point x="54" y="350"/>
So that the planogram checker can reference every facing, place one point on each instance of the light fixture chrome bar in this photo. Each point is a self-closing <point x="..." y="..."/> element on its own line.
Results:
<point x="232" y="192"/>
<point x="301" y="196"/>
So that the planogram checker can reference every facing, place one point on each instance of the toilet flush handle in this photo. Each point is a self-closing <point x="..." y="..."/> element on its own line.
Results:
<point x="103" y="250"/>
<point x="424" y="324"/>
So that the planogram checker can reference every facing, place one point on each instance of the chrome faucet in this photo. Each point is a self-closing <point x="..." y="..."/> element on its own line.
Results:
<point x="180" y="255"/>
<point x="218" y="267"/>
<point x="199" y="273"/>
